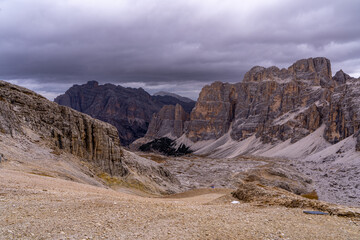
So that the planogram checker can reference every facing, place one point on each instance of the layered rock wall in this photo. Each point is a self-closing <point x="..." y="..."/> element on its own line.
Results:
<point x="213" y="112"/>
<point x="169" y="121"/>
<point x="66" y="129"/>
<point x="279" y="104"/>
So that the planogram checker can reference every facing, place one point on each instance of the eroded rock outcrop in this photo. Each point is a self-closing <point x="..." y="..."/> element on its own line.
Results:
<point x="277" y="104"/>
<point x="68" y="130"/>
<point x="265" y="195"/>
<point x="213" y="112"/>
<point x="169" y="121"/>
<point x="343" y="117"/>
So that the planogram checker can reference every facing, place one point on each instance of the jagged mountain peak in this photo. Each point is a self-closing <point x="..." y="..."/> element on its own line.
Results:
<point x="341" y="77"/>
<point x="128" y="109"/>
<point x="316" y="69"/>
<point x="278" y="104"/>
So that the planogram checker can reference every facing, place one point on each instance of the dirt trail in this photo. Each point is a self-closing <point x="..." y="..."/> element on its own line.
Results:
<point x="199" y="196"/>
<point x="38" y="207"/>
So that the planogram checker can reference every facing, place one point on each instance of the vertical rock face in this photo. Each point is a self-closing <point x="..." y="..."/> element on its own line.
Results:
<point x="68" y="130"/>
<point x="169" y="121"/>
<point x="274" y="104"/>
<point x="213" y="112"/>
<point x="128" y="109"/>
<point x="344" y="112"/>
<point x="357" y="135"/>
<point x="180" y="117"/>
<point x="279" y="104"/>
<point x="317" y="70"/>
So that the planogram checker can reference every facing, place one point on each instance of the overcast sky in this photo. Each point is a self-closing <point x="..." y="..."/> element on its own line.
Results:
<point x="171" y="45"/>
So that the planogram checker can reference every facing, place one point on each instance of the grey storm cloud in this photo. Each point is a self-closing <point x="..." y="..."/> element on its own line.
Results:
<point x="162" y="44"/>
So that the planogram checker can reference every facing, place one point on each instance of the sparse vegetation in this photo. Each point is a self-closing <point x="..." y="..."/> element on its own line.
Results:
<point x="109" y="180"/>
<point x="165" y="146"/>
<point x="311" y="195"/>
<point x="115" y="181"/>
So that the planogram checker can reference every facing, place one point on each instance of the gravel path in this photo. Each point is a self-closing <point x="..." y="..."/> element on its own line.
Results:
<point x="38" y="207"/>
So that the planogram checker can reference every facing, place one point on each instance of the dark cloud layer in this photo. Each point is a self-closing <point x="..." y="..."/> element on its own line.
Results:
<point x="176" y="45"/>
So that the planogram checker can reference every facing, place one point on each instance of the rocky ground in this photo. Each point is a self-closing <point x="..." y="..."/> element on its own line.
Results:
<point x="203" y="172"/>
<point x="39" y="207"/>
<point x="336" y="182"/>
<point x="49" y="195"/>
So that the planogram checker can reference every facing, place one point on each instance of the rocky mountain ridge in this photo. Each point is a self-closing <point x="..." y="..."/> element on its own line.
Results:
<point x="274" y="105"/>
<point x="302" y="113"/>
<point x="181" y="98"/>
<point x="37" y="132"/>
<point x="128" y="109"/>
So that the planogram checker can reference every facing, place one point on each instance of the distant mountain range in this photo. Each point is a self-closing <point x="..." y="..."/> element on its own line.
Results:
<point x="183" y="99"/>
<point x="128" y="109"/>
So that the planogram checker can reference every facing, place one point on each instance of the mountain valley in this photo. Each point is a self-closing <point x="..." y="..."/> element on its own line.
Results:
<point x="263" y="151"/>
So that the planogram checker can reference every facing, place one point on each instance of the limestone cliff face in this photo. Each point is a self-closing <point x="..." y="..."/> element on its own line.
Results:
<point x="316" y="70"/>
<point x="213" y="112"/>
<point x="274" y="104"/>
<point x="279" y="104"/>
<point x="169" y="121"/>
<point x="344" y="113"/>
<point x="67" y="129"/>
<point x="282" y="104"/>
<point x="64" y="129"/>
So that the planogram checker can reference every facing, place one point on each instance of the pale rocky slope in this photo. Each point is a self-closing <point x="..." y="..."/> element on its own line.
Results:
<point x="301" y="113"/>
<point x="42" y="137"/>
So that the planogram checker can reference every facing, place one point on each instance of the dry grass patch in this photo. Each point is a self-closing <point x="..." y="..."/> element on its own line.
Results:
<point x="113" y="181"/>
<point x="311" y="195"/>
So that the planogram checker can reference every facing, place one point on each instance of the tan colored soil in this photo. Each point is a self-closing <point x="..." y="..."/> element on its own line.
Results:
<point x="39" y="207"/>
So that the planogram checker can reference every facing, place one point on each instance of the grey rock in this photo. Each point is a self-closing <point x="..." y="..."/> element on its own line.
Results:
<point x="341" y="77"/>
<point x="65" y="129"/>
<point x="169" y="121"/>
<point x="277" y="105"/>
